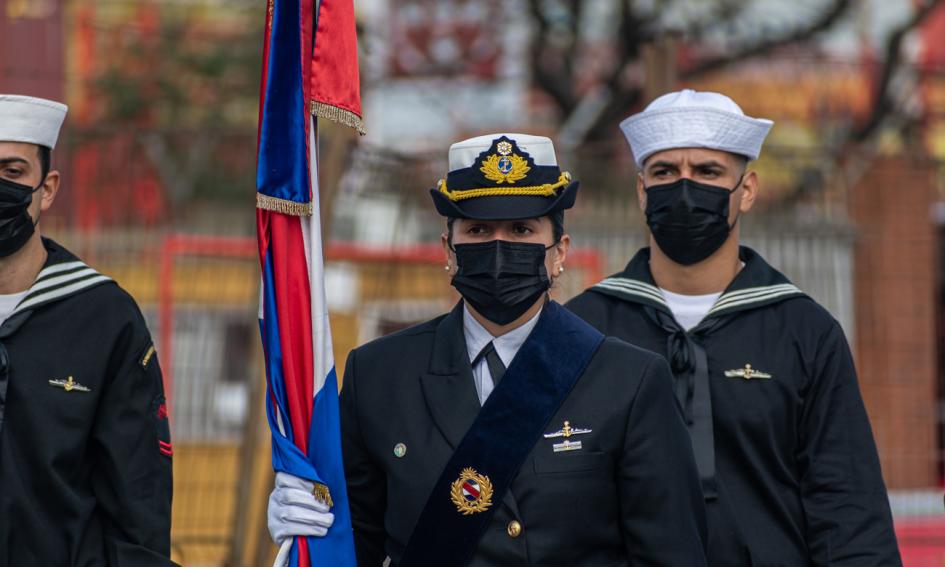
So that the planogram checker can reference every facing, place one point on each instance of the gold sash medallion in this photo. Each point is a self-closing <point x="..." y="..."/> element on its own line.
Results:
<point x="471" y="492"/>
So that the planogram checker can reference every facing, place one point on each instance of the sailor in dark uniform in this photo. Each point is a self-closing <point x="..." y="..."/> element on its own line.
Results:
<point x="509" y="432"/>
<point x="85" y="452"/>
<point x="782" y="440"/>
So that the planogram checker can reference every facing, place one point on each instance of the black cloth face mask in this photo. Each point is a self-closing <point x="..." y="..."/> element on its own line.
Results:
<point x="501" y="279"/>
<point x="16" y="225"/>
<point x="688" y="219"/>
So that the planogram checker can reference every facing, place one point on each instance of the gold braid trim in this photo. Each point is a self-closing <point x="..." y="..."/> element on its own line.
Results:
<point x="322" y="494"/>
<point x="546" y="190"/>
<point x="339" y="115"/>
<point x="267" y="203"/>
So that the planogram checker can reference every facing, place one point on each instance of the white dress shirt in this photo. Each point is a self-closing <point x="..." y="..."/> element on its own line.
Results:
<point x="506" y="346"/>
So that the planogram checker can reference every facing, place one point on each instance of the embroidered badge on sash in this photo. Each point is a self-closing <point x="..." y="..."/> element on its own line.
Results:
<point x="471" y="492"/>
<point x="748" y="373"/>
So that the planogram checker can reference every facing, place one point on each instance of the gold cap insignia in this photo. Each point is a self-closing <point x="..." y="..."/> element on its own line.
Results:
<point x="471" y="492"/>
<point x="505" y="168"/>
<point x="747" y="373"/>
<point x="69" y="385"/>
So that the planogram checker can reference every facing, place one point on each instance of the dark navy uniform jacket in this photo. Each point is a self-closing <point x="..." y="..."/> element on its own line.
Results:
<point x="783" y="443"/>
<point x="85" y="454"/>
<point x="630" y="496"/>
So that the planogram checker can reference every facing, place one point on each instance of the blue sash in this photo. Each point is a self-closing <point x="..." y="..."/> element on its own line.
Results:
<point x="506" y="429"/>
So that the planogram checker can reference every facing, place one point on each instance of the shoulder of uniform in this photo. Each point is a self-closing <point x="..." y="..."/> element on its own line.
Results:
<point x="811" y="314"/>
<point x="589" y="296"/>
<point x="400" y="338"/>
<point x="631" y="354"/>
<point x="115" y="308"/>
<point x="112" y="295"/>
<point x="591" y="300"/>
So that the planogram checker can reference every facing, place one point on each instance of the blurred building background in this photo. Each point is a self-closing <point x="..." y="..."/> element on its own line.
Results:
<point x="158" y="158"/>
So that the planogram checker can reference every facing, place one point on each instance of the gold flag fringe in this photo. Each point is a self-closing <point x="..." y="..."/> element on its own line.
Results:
<point x="283" y="206"/>
<point x="339" y="115"/>
<point x="322" y="494"/>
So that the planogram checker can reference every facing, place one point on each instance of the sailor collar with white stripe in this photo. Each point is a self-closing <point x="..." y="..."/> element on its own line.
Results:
<point x="756" y="285"/>
<point x="63" y="275"/>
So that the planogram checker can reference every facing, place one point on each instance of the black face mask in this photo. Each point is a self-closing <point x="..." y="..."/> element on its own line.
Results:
<point x="688" y="219"/>
<point x="501" y="279"/>
<point x="16" y="225"/>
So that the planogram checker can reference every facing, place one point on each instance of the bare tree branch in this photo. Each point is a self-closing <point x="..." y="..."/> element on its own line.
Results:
<point x="827" y="19"/>
<point x="632" y="33"/>
<point x="725" y="11"/>
<point x="553" y="66"/>
<point x="883" y="104"/>
<point x="553" y="79"/>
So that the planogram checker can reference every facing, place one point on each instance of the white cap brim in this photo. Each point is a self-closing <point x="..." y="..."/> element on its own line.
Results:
<point x="31" y="120"/>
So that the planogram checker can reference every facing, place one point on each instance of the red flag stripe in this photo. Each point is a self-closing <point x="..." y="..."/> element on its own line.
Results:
<point x="295" y="320"/>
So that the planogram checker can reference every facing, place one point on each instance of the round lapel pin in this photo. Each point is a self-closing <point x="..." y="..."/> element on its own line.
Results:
<point x="400" y="450"/>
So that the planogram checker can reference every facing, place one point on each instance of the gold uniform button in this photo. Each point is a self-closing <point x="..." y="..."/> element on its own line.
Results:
<point x="514" y="529"/>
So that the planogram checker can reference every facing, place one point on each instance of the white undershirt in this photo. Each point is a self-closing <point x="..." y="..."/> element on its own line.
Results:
<point x="8" y="303"/>
<point x="689" y="310"/>
<point x="506" y="346"/>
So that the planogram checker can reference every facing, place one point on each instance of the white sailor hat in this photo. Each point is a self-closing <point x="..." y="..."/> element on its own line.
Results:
<point x="691" y="119"/>
<point x="504" y="177"/>
<point x="30" y="119"/>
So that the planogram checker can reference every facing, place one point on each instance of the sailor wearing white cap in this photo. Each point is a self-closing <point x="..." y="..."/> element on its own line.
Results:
<point x="85" y="469"/>
<point x="788" y="465"/>
<point x="508" y="431"/>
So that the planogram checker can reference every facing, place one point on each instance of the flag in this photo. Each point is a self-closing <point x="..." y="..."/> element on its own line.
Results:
<point x="309" y="70"/>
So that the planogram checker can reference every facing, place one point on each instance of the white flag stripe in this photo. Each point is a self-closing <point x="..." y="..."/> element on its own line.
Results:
<point x="323" y="356"/>
<point x="279" y="420"/>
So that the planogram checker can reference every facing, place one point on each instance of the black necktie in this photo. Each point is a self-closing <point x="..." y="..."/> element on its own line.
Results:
<point x="496" y="368"/>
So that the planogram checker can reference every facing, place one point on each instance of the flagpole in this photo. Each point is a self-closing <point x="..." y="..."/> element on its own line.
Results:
<point x="282" y="558"/>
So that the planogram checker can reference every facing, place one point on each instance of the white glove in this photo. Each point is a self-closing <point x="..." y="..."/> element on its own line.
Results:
<point x="294" y="511"/>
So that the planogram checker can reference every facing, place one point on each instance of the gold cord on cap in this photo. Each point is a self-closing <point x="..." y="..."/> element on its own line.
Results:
<point x="546" y="190"/>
